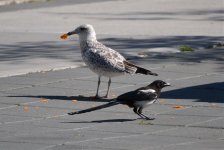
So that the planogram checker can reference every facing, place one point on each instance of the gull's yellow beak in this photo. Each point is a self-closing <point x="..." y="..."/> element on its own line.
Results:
<point x="64" y="36"/>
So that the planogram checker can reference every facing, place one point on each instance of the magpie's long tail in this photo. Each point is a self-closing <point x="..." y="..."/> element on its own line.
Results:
<point x="95" y="108"/>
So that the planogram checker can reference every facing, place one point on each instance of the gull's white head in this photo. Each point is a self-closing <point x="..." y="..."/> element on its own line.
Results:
<point x="86" y="32"/>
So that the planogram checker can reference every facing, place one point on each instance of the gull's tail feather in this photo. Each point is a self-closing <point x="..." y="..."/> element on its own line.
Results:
<point x="95" y="108"/>
<point x="145" y="71"/>
<point x="131" y="68"/>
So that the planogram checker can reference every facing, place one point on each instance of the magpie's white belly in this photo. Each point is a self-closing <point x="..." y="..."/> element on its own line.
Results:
<point x="143" y="103"/>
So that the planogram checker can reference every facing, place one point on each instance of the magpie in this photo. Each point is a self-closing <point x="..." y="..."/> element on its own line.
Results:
<point x="137" y="99"/>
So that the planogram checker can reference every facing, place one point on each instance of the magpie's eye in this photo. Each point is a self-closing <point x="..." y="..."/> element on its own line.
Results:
<point x="159" y="84"/>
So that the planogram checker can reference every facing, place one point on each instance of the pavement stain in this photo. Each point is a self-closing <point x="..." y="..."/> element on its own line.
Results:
<point x="143" y="122"/>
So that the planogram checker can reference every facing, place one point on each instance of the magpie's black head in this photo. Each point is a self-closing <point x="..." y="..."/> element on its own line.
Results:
<point x="159" y="84"/>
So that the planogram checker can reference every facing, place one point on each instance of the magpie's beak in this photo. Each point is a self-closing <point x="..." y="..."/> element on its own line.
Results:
<point x="167" y="84"/>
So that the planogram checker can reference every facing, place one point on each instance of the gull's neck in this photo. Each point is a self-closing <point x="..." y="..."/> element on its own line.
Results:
<point x="84" y="39"/>
<point x="90" y="36"/>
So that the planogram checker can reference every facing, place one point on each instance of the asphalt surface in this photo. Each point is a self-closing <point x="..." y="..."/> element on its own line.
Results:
<point x="34" y="102"/>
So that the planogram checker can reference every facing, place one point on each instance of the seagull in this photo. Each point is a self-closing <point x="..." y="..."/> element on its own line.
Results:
<point x="137" y="99"/>
<point x="101" y="59"/>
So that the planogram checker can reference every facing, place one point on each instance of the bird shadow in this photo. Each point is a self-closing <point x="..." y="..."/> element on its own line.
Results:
<point x="103" y="121"/>
<point x="67" y="98"/>
<point x="212" y="92"/>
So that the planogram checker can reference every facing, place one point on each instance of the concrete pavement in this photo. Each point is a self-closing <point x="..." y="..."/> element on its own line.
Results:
<point x="28" y="31"/>
<point x="33" y="106"/>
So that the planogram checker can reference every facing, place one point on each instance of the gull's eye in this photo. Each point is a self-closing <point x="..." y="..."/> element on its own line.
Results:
<point x="82" y="28"/>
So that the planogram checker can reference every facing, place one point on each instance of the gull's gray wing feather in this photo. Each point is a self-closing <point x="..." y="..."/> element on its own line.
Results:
<point x="105" y="56"/>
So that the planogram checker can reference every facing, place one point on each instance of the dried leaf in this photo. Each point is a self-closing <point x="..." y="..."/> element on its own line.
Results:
<point x="64" y="36"/>
<point x="43" y="100"/>
<point x="214" y="105"/>
<point x="74" y="101"/>
<point x="178" y="100"/>
<point x="113" y="96"/>
<point x="178" y="106"/>
<point x="162" y="101"/>
<point x="26" y="109"/>
<point x="125" y="105"/>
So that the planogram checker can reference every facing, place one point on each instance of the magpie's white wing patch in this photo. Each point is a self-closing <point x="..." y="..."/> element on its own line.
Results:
<point x="148" y="91"/>
<point x="148" y="94"/>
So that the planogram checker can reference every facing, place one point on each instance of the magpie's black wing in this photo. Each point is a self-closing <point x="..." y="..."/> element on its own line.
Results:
<point x="148" y="94"/>
<point x="129" y="96"/>
<point x="141" y="94"/>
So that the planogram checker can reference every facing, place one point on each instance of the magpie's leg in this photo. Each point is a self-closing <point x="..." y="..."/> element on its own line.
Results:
<point x="136" y="111"/>
<point x="145" y="117"/>
<point x="108" y="87"/>
<point x="98" y="87"/>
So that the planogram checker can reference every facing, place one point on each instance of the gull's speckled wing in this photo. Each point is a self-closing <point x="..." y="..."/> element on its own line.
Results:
<point x="103" y="57"/>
